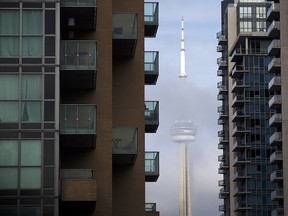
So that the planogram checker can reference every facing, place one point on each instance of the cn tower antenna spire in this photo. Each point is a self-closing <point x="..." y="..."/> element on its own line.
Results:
<point x="183" y="73"/>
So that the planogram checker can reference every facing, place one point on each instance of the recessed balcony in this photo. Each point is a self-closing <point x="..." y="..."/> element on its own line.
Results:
<point x="237" y="71"/>
<point x="275" y="102"/>
<point x="222" y="64"/>
<point x="151" y="67"/>
<point x="275" y="66"/>
<point x="238" y="86"/>
<point x="151" y="18"/>
<point x="78" y="190"/>
<point x="241" y="191"/>
<point x="275" y="120"/>
<point x="276" y="139"/>
<point x="222" y="39"/>
<point x="239" y="146"/>
<point x="239" y="116"/>
<point x="151" y="166"/>
<point x="151" y="115"/>
<point x="275" y="84"/>
<point x="221" y="87"/>
<point x="241" y="206"/>
<point x="274" y="48"/>
<point x="124" y="145"/>
<point x="276" y="157"/>
<point x="77" y="126"/>
<point x="150" y="209"/>
<point x="78" y="64"/>
<point x="278" y="212"/>
<point x="273" y="12"/>
<point x="276" y="176"/>
<point x="238" y="101"/>
<point x="124" y="34"/>
<point x="277" y="195"/>
<point x="274" y="30"/>
<point x="237" y="55"/>
<point x="241" y="175"/>
<point x="78" y="16"/>
<point x="239" y="130"/>
<point x="240" y="160"/>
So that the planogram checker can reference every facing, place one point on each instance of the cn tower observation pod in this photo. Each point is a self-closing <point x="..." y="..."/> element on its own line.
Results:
<point x="183" y="131"/>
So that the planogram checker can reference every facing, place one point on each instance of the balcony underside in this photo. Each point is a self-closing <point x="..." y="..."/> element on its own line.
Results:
<point x="84" y="19"/>
<point x="151" y="127"/>
<point x="150" y="213"/>
<point x="150" y="30"/>
<point x="124" y="47"/>
<point x="84" y="79"/>
<point x="78" y="140"/>
<point x="124" y="159"/>
<point x="151" y="177"/>
<point x="151" y="79"/>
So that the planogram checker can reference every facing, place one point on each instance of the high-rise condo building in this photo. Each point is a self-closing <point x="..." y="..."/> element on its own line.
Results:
<point x="253" y="115"/>
<point x="73" y="113"/>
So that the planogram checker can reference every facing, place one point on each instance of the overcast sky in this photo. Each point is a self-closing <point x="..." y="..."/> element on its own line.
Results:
<point x="202" y="22"/>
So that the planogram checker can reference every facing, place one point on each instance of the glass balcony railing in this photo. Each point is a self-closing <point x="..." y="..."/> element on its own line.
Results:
<point x="78" y="3"/>
<point x="77" y="119"/>
<point x="125" y="140"/>
<point x="78" y="55"/>
<point x="124" y="25"/>
<point x="150" y="207"/>
<point x="151" y="111"/>
<point x="151" y="62"/>
<point x="151" y="166"/>
<point x="76" y="174"/>
<point x="151" y="18"/>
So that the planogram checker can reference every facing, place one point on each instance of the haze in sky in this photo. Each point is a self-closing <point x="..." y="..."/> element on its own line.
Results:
<point x="202" y="22"/>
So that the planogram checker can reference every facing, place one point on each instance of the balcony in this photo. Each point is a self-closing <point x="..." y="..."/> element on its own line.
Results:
<point x="221" y="121"/>
<point x="150" y="209"/>
<point x="78" y="64"/>
<point x="221" y="87"/>
<point x="220" y="48"/>
<point x="151" y="67"/>
<point x="222" y="171"/>
<point x="151" y="18"/>
<point x="238" y="101"/>
<point x="276" y="176"/>
<point x="238" y="86"/>
<point x="223" y="166"/>
<point x="276" y="139"/>
<point x="275" y="84"/>
<point x="223" y="140"/>
<point x="151" y="166"/>
<point x="237" y="71"/>
<point x="221" y="133"/>
<point x="223" y="193"/>
<point x="274" y="48"/>
<point x="222" y="208"/>
<point x="221" y="183"/>
<point x="275" y="120"/>
<point x="220" y="72"/>
<point x="124" y="145"/>
<point x="78" y="189"/>
<point x="222" y="39"/>
<point x="221" y="158"/>
<point x="223" y="114"/>
<point x="240" y="206"/>
<point x="275" y="66"/>
<point x="239" y="130"/>
<point x="239" y="146"/>
<point x="151" y="115"/>
<point x="241" y="191"/>
<point x="221" y="146"/>
<point x="238" y="54"/>
<point x="275" y="102"/>
<point x="241" y="175"/>
<point x="273" y="12"/>
<point x="240" y="160"/>
<point x="222" y="64"/>
<point x="276" y="157"/>
<point x="278" y="212"/>
<point x="78" y="16"/>
<point x="77" y="126"/>
<point x="221" y="96"/>
<point x="274" y="30"/>
<point x="124" y="34"/>
<point x="239" y="116"/>
<point x="277" y="195"/>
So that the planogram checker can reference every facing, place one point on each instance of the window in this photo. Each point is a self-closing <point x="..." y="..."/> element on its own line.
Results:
<point x="31" y="33"/>
<point x="245" y="12"/>
<point x="29" y="159"/>
<point x="246" y="26"/>
<point x="260" y="12"/>
<point x="261" y="26"/>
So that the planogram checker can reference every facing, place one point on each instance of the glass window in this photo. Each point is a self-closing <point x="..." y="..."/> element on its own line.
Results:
<point x="246" y="26"/>
<point x="245" y="12"/>
<point x="31" y="111"/>
<point x="30" y="178"/>
<point x="9" y="211"/>
<point x="31" y="87"/>
<point x="8" y="87"/>
<point x="30" y="153"/>
<point x="30" y="211"/>
<point x="9" y="112"/>
<point x="261" y="26"/>
<point x="260" y="12"/>
<point x="8" y="178"/>
<point x="8" y="152"/>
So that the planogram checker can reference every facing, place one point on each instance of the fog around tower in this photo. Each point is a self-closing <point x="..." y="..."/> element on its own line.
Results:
<point x="197" y="100"/>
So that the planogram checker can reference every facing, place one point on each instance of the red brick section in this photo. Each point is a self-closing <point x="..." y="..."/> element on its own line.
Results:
<point x="79" y="190"/>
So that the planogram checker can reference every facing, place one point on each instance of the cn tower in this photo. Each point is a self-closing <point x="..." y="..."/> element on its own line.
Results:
<point x="183" y="133"/>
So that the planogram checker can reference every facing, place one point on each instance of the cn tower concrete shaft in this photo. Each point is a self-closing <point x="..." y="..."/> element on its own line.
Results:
<point x="184" y="199"/>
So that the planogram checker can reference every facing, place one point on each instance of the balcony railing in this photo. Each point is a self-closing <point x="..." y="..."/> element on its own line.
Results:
<point x="77" y="16"/>
<point x="151" y="18"/>
<point x="151" y="115"/>
<point x="221" y="183"/>
<point x="273" y="12"/>
<point x="275" y="139"/>
<point x="78" y="64"/>
<point x="277" y="175"/>
<point x="274" y="29"/>
<point x="276" y="156"/>
<point x="124" y="33"/>
<point x="275" y="102"/>
<point x="222" y="64"/>
<point x="275" y="83"/>
<point x="278" y="212"/>
<point x="124" y="145"/>
<point x="237" y="71"/>
<point x="277" y="194"/>
<point x="275" y="120"/>
<point x="151" y="67"/>
<point x="150" y="207"/>
<point x="151" y="166"/>
<point x="274" y="47"/>
<point x="274" y="66"/>
<point x="222" y="39"/>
